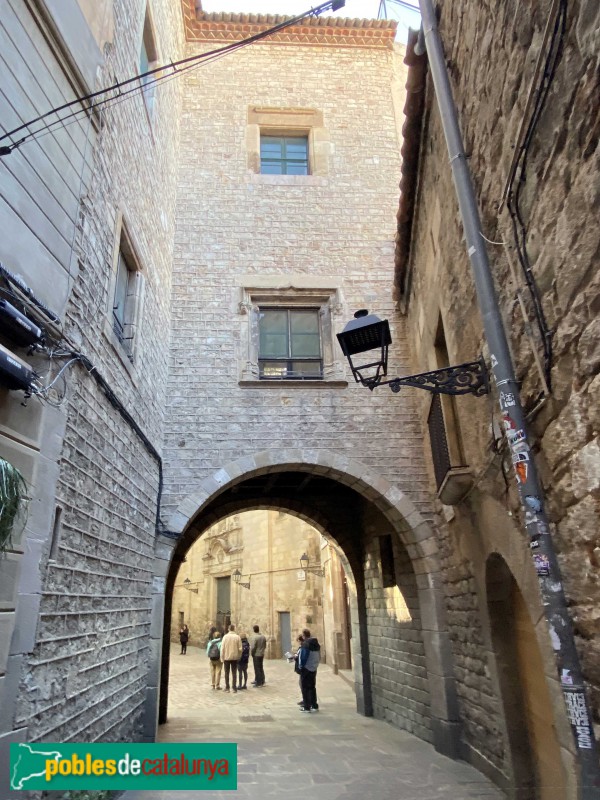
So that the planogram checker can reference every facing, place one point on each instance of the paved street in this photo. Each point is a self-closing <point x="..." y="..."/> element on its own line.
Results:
<point x="336" y="753"/>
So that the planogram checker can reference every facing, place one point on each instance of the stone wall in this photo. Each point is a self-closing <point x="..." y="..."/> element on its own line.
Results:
<point x="491" y="50"/>
<point x="241" y="232"/>
<point x="85" y="671"/>
<point x="396" y="649"/>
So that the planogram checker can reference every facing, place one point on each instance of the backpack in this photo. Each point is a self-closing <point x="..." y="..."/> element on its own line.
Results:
<point x="213" y="651"/>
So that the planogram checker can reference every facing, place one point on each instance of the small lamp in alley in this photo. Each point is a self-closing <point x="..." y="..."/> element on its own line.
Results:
<point x="187" y="585"/>
<point x="237" y="579"/>
<point x="304" y="563"/>
<point x="367" y="334"/>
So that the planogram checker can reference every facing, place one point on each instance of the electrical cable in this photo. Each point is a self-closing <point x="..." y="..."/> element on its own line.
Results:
<point x="140" y="86"/>
<point x="513" y="203"/>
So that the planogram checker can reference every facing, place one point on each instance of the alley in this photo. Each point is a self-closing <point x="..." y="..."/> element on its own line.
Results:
<point x="334" y="753"/>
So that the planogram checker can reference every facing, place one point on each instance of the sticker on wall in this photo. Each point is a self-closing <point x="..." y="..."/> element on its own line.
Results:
<point x="578" y="715"/>
<point x="534" y="503"/>
<point x="493" y="361"/>
<point x="566" y="678"/>
<point x="534" y="543"/>
<point x="542" y="564"/>
<point x="507" y="399"/>
<point x="509" y="424"/>
<point x="516" y="437"/>
<point x="520" y="462"/>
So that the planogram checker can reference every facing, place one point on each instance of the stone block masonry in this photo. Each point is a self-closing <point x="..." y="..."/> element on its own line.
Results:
<point x="84" y="673"/>
<point x="236" y="226"/>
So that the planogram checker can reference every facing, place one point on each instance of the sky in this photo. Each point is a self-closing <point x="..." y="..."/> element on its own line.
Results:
<point x="362" y="9"/>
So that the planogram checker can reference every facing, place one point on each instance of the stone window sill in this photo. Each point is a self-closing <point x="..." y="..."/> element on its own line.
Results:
<point x="285" y="384"/>
<point x="289" y="180"/>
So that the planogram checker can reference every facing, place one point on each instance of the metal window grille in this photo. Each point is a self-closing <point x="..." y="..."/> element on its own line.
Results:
<point x="439" y="443"/>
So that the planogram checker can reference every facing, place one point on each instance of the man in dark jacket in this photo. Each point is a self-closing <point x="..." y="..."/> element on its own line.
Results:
<point x="309" y="658"/>
<point x="258" y="645"/>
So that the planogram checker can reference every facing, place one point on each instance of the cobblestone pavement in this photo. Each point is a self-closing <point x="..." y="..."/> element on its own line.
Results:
<point x="335" y="753"/>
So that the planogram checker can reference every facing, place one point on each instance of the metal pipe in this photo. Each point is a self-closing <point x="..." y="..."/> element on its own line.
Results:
<point x="515" y="426"/>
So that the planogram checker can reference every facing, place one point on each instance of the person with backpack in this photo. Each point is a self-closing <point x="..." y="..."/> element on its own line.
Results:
<point x="309" y="657"/>
<point x="231" y="650"/>
<point x="213" y="651"/>
<point x="243" y="663"/>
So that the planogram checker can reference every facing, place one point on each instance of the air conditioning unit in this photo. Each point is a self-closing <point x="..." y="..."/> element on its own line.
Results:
<point x="17" y="327"/>
<point x="14" y="372"/>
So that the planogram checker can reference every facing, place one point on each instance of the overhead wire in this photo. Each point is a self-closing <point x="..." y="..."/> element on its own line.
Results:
<point x="514" y="193"/>
<point x="138" y="80"/>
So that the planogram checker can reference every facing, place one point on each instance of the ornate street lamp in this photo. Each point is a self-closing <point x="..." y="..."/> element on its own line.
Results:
<point x="187" y="585"/>
<point x="305" y="561"/>
<point x="366" y="332"/>
<point x="237" y="579"/>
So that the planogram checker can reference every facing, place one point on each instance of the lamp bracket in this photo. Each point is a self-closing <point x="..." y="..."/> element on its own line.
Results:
<point x="315" y="571"/>
<point x="469" y="378"/>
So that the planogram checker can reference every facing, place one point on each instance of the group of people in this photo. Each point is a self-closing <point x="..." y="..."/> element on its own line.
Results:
<point x="232" y="652"/>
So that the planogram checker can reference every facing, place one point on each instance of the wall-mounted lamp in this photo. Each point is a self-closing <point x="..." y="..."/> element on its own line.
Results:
<point x="367" y="332"/>
<point x="186" y="585"/>
<point x="305" y="561"/>
<point x="237" y="579"/>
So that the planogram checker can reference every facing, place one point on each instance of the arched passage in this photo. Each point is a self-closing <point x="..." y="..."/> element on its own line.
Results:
<point x="535" y="753"/>
<point x="357" y="509"/>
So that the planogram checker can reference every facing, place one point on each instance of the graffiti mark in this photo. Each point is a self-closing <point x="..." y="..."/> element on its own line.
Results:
<point x="541" y="563"/>
<point x="534" y="543"/>
<point x="578" y="715"/>
<point x="534" y="503"/>
<point x="554" y="638"/>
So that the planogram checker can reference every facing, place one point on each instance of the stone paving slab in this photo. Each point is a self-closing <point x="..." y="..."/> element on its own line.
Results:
<point x="336" y="753"/>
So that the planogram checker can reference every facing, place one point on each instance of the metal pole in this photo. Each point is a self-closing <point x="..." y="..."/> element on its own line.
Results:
<point x="530" y="492"/>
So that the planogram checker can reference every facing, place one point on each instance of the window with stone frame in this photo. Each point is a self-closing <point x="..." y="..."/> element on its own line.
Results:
<point x="287" y="331"/>
<point x="290" y="142"/>
<point x="148" y="61"/>
<point x="126" y="295"/>
<point x="289" y="343"/>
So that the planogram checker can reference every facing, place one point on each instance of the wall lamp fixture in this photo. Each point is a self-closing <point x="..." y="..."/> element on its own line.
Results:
<point x="305" y="561"/>
<point x="366" y="332"/>
<point x="237" y="579"/>
<point x="187" y="585"/>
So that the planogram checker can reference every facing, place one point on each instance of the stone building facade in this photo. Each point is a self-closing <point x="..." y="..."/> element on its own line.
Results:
<point x="153" y="232"/>
<point x="514" y="722"/>
<point x="273" y="591"/>
<point x="81" y="203"/>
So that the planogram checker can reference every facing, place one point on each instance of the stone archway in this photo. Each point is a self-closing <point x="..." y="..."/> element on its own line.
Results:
<point x="360" y="493"/>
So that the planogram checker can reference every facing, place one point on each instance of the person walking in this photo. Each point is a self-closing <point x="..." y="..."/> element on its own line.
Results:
<point x="213" y="651"/>
<point x="184" y="635"/>
<point x="231" y="650"/>
<point x="243" y="663"/>
<point x="309" y="658"/>
<point x="258" y="645"/>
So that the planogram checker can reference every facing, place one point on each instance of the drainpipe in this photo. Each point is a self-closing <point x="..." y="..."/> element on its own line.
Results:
<point x="542" y="550"/>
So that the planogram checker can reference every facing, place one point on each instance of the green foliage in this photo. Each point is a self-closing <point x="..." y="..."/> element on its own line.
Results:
<point x="13" y="493"/>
